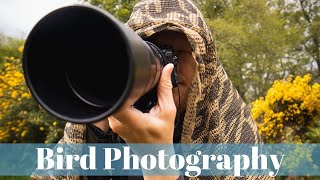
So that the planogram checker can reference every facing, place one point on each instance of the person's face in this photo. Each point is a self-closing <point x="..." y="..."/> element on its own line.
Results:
<point x="186" y="66"/>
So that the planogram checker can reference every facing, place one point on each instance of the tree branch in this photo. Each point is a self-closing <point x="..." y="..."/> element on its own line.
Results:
<point x="304" y="12"/>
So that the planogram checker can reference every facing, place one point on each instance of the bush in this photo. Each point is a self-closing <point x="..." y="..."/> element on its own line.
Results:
<point x="289" y="112"/>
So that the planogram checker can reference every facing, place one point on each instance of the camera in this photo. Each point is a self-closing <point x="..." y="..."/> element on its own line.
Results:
<point x="146" y="102"/>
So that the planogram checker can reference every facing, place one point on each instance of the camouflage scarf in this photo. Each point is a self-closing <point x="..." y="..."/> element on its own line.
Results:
<point x="215" y="112"/>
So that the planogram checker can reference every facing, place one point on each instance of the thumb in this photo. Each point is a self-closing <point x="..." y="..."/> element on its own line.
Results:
<point x="165" y="86"/>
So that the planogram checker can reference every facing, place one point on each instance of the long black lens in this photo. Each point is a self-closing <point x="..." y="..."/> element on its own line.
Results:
<point x="81" y="64"/>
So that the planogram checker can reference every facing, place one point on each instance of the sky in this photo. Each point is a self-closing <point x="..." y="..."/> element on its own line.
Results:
<point x="17" y="17"/>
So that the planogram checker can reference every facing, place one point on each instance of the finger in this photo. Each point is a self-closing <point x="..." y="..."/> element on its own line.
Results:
<point x="117" y="126"/>
<point x="114" y="124"/>
<point x="165" y="85"/>
<point x="129" y="116"/>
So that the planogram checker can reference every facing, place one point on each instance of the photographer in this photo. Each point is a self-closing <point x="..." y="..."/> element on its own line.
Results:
<point x="204" y="108"/>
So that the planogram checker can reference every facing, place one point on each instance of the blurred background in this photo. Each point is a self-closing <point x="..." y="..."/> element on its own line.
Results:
<point x="269" y="48"/>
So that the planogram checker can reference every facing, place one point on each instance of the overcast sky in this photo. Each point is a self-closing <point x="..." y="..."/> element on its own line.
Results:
<point x="17" y="17"/>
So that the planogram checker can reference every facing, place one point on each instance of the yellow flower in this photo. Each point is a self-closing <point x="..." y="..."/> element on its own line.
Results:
<point x="23" y="133"/>
<point x="18" y="74"/>
<point x="292" y="103"/>
<point x="26" y="95"/>
<point x="21" y="49"/>
<point x="14" y="94"/>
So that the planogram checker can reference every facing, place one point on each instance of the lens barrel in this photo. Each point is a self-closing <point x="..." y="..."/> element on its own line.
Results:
<point x="81" y="64"/>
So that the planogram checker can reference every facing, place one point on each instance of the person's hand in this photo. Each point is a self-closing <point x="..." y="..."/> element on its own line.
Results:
<point x="103" y="125"/>
<point x="157" y="126"/>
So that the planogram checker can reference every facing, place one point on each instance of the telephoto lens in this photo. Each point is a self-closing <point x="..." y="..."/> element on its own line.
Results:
<point x="81" y="64"/>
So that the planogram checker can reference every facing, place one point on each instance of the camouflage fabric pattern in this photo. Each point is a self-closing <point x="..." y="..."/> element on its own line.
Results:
<point x="73" y="134"/>
<point x="215" y="111"/>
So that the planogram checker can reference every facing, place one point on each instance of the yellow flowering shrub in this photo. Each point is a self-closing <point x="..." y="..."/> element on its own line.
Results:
<point x="12" y="87"/>
<point x="21" y="118"/>
<point x="290" y="108"/>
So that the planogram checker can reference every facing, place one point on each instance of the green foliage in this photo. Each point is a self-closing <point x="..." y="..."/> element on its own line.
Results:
<point x="313" y="133"/>
<point x="9" y="47"/>
<point x="213" y="9"/>
<point x="120" y="9"/>
<point x="305" y="15"/>
<point x="254" y="45"/>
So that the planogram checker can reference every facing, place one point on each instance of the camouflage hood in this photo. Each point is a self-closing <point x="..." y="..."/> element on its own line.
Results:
<point x="215" y="113"/>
